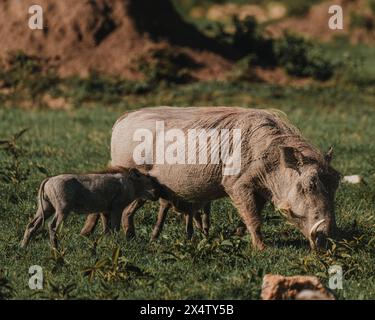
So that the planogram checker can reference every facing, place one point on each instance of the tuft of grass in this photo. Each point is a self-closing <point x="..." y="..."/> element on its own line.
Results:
<point x="298" y="56"/>
<point x="26" y="78"/>
<point x="371" y="4"/>
<point x="98" y="87"/>
<point x="360" y="21"/>
<point x="299" y="8"/>
<point x="114" y="268"/>
<point x="166" y="66"/>
<point x="6" y="289"/>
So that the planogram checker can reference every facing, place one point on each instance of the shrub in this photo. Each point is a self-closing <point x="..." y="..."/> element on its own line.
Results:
<point x="302" y="58"/>
<point x="25" y="76"/>
<point x="98" y="87"/>
<point x="298" y="7"/>
<point x="371" y="4"/>
<point x="244" y="70"/>
<point x="298" y="56"/>
<point x="248" y="39"/>
<point x="166" y="65"/>
<point x="14" y="168"/>
<point x="358" y="21"/>
<point x="27" y="80"/>
<point x="6" y="289"/>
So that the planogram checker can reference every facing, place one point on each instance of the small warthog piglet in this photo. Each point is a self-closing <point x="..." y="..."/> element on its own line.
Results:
<point x="109" y="192"/>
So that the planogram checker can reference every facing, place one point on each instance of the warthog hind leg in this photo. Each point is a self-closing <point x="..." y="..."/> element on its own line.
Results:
<point x="54" y="226"/>
<point x="35" y="224"/>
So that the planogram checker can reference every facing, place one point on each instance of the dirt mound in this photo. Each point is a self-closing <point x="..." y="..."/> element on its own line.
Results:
<point x="106" y="36"/>
<point x="315" y="23"/>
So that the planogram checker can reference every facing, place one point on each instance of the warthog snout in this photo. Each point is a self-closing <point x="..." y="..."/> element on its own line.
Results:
<point x="321" y="240"/>
<point x="319" y="234"/>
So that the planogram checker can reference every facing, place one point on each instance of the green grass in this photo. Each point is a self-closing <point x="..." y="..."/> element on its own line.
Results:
<point x="222" y="266"/>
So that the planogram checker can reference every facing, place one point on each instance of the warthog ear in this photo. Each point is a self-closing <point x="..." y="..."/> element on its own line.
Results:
<point x="134" y="174"/>
<point x="329" y="155"/>
<point x="291" y="157"/>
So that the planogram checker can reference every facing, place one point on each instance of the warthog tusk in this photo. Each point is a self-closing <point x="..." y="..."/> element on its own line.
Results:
<point x="314" y="228"/>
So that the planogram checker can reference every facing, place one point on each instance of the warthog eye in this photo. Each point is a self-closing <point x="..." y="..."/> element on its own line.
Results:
<point x="312" y="184"/>
<point x="300" y="188"/>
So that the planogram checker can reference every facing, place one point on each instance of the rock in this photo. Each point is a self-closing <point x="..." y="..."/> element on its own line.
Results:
<point x="277" y="287"/>
<point x="311" y="295"/>
<point x="354" y="179"/>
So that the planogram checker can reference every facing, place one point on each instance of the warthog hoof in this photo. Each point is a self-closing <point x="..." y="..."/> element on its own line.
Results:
<point x="130" y="234"/>
<point x="260" y="246"/>
<point x="240" y="231"/>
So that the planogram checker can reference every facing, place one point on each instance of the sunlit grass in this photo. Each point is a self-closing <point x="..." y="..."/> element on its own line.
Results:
<point x="222" y="266"/>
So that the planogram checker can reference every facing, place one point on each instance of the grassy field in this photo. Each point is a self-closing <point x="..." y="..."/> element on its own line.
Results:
<point x="220" y="267"/>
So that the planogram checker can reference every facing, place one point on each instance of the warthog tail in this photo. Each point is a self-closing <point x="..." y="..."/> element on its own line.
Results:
<point x="41" y="197"/>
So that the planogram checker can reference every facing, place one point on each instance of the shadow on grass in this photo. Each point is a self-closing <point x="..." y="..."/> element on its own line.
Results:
<point x="352" y="235"/>
<point x="287" y="243"/>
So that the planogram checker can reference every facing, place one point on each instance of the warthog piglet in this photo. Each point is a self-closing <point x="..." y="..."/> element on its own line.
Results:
<point x="109" y="192"/>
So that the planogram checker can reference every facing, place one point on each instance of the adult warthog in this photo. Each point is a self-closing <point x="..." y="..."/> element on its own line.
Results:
<point x="276" y="164"/>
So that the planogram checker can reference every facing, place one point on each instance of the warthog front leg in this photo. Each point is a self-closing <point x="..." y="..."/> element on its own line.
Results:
<point x="197" y="219"/>
<point x="128" y="217"/>
<point x="202" y="219"/>
<point x="189" y="224"/>
<point x="106" y="223"/>
<point x="206" y="218"/>
<point x="260" y="202"/>
<point x="115" y="218"/>
<point x="90" y="224"/>
<point x="244" y="198"/>
<point x="163" y="210"/>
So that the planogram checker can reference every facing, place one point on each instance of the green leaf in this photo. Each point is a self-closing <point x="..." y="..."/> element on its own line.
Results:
<point x="227" y="243"/>
<point x="42" y="170"/>
<point x="21" y="133"/>
<point x="115" y="256"/>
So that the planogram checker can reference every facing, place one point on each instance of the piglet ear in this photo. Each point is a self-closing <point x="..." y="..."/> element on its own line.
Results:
<point x="329" y="155"/>
<point x="291" y="157"/>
